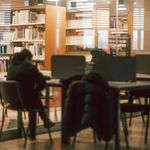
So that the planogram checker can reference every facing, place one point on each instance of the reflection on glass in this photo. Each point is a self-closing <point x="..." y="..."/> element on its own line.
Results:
<point x="138" y="28"/>
<point x="88" y="41"/>
<point x="135" y="39"/>
<point x="103" y="39"/>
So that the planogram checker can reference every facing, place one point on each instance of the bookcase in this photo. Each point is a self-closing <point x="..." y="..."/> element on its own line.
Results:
<point x="55" y="33"/>
<point x="90" y="26"/>
<point x="80" y="28"/>
<point x="5" y="37"/>
<point x="79" y="24"/>
<point x="119" y="35"/>
<point x="28" y="30"/>
<point x="41" y="29"/>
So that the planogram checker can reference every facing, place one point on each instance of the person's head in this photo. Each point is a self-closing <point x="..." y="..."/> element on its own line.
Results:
<point x="17" y="58"/>
<point x="27" y="55"/>
<point x="24" y="56"/>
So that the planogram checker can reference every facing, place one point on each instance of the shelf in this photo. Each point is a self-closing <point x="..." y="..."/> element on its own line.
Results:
<point x="28" y="41"/>
<point x="118" y="30"/>
<point x="5" y="25"/>
<point x="28" y="8"/>
<point x="7" y="54"/>
<point x="28" y="24"/>
<point x="80" y="28"/>
<point x="119" y="38"/>
<point x="78" y="11"/>
<point x="76" y="45"/>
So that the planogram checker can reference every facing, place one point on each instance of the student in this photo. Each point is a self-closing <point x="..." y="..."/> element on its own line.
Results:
<point x="32" y="82"/>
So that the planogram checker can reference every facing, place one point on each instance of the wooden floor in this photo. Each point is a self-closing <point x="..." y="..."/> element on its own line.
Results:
<point x="84" y="141"/>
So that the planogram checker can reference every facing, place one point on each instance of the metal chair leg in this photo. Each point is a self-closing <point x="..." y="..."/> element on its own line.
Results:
<point x="74" y="140"/>
<point x="147" y="127"/>
<point x="3" y="120"/>
<point x="50" y="136"/>
<point x="125" y="128"/>
<point x="94" y="135"/>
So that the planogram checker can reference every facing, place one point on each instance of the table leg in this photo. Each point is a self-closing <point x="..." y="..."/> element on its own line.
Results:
<point x="117" y="124"/>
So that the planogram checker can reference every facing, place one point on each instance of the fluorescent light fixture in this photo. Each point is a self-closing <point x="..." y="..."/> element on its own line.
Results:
<point x="121" y="7"/>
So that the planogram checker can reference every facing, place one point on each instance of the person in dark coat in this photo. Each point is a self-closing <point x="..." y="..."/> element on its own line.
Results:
<point x="32" y="82"/>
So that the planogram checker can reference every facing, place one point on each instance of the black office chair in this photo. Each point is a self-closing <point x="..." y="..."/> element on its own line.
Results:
<point x="12" y="99"/>
<point x="132" y="108"/>
<point x="137" y="95"/>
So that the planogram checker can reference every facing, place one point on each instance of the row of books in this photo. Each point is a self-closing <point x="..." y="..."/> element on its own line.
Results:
<point x="5" y="17"/>
<point x="27" y="16"/>
<point x="37" y="50"/>
<point x="4" y="64"/>
<point x="30" y="33"/>
<point x="5" y="49"/>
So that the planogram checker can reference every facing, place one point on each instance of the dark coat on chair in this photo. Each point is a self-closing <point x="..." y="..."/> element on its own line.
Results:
<point x="88" y="104"/>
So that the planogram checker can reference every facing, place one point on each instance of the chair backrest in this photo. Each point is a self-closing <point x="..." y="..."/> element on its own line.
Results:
<point x="10" y="91"/>
<point x="65" y="66"/>
<point x="143" y="64"/>
<point x="116" y="68"/>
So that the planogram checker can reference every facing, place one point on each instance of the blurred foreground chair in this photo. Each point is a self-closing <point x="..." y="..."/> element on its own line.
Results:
<point x="11" y="96"/>
<point x="86" y="105"/>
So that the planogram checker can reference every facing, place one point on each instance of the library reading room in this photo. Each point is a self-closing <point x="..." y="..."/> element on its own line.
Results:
<point x="74" y="74"/>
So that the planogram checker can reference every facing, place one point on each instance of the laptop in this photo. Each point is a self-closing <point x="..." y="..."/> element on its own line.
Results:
<point x="116" y="68"/>
<point x="143" y="64"/>
<point x="65" y="66"/>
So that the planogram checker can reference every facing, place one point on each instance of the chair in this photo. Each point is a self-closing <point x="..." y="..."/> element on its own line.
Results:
<point x="137" y="95"/>
<point x="131" y="108"/>
<point x="12" y="99"/>
<point x="82" y="106"/>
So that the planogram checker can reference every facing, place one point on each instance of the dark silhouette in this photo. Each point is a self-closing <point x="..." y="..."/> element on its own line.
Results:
<point x="32" y="82"/>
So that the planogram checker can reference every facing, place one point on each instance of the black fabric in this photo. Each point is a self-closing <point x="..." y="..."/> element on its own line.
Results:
<point x="32" y="82"/>
<point x="88" y="104"/>
<point x="66" y="83"/>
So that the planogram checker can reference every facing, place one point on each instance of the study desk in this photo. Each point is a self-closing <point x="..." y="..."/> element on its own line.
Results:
<point x="118" y="87"/>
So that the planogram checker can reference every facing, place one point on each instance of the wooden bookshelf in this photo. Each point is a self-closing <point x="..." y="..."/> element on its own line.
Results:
<point x="55" y="33"/>
<point x="28" y="26"/>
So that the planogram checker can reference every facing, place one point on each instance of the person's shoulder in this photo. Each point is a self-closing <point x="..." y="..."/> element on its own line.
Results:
<point x="29" y="64"/>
